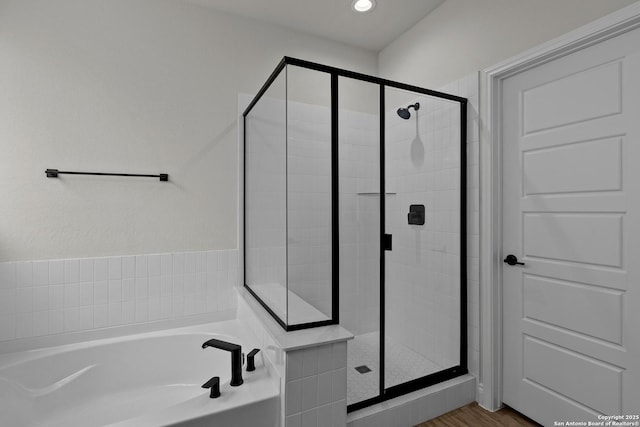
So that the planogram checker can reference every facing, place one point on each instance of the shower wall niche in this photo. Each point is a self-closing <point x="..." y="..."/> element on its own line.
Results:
<point x="354" y="202"/>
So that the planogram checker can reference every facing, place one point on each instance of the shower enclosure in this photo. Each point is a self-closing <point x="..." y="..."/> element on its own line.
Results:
<point x="354" y="213"/>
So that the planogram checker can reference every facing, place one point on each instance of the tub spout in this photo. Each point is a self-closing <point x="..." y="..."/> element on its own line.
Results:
<point x="236" y="358"/>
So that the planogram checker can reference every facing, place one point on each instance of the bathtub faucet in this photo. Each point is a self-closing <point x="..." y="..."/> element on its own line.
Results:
<point x="236" y="358"/>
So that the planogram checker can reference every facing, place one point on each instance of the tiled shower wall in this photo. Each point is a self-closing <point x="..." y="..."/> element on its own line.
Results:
<point x="306" y="263"/>
<point x="309" y="203"/>
<point x="309" y="172"/>
<point x="359" y="181"/>
<point x="289" y="200"/>
<point x="50" y="297"/>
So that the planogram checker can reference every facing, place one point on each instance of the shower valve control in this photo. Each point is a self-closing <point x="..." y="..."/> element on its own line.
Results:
<point x="416" y="215"/>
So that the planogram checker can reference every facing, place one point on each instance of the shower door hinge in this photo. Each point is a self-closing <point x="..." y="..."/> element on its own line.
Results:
<point x="386" y="242"/>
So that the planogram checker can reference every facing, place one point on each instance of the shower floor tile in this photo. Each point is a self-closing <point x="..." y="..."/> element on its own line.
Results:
<point x="402" y="365"/>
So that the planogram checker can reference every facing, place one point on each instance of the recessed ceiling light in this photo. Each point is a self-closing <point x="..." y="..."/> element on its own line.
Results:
<point x="363" y="5"/>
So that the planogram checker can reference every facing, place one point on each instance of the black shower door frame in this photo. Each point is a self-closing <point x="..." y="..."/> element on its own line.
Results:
<point x="335" y="73"/>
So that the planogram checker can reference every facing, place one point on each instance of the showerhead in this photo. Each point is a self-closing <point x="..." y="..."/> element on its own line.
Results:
<point x="404" y="112"/>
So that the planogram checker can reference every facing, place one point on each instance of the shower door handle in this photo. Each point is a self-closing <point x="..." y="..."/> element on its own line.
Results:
<point x="386" y="242"/>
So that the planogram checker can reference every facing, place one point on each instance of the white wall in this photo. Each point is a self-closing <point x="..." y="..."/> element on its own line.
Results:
<point x="129" y="86"/>
<point x="463" y="36"/>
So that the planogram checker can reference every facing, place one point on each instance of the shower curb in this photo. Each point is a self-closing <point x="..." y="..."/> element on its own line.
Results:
<point x="419" y="406"/>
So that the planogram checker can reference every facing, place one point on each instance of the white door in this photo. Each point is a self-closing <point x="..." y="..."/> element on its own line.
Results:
<point x="571" y="214"/>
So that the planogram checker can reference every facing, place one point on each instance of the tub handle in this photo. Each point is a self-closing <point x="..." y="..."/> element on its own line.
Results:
<point x="251" y="366"/>
<point x="214" y="385"/>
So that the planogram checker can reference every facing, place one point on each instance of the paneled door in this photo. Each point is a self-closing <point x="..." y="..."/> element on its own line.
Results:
<point x="571" y="235"/>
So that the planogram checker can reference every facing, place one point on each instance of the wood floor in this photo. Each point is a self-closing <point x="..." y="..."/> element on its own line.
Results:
<point x="474" y="415"/>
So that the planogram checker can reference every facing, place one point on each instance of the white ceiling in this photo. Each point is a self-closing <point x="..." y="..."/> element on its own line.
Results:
<point x="334" y="19"/>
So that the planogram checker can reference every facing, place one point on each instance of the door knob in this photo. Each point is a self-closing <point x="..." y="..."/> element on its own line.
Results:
<point x="512" y="260"/>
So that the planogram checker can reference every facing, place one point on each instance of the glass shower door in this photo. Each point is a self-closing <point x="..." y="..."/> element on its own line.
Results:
<point x="422" y="224"/>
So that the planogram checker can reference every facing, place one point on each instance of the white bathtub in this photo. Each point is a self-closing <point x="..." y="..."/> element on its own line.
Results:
<point x="151" y="379"/>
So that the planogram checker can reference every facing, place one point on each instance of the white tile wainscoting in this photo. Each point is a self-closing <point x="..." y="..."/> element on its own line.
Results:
<point x="316" y="386"/>
<point x="48" y="297"/>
